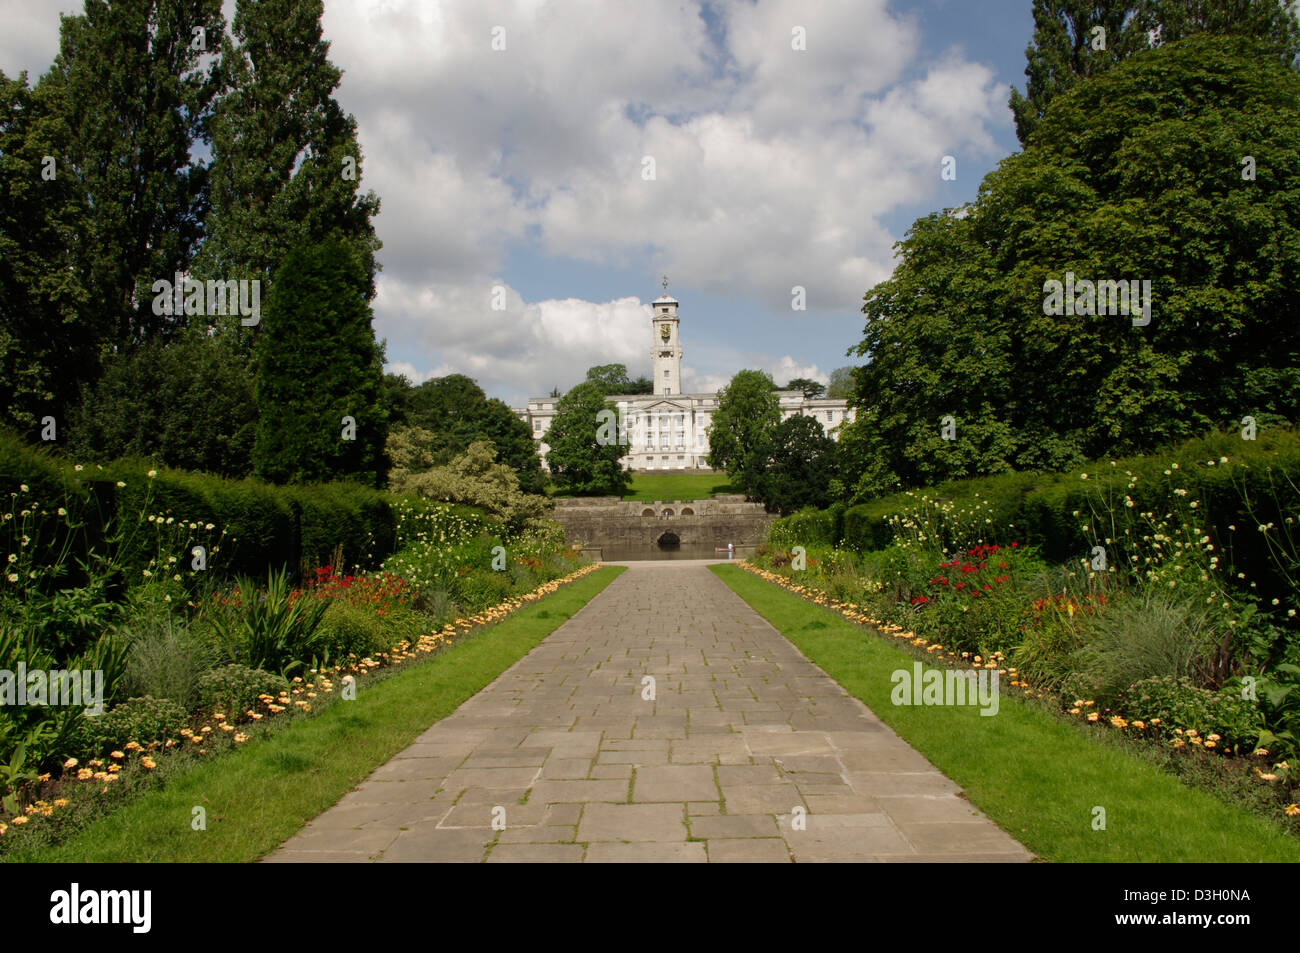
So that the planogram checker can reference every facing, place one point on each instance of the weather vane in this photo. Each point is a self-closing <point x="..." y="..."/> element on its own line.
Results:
<point x="665" y="284"/>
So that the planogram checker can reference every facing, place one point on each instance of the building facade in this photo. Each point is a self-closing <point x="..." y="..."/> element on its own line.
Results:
<point x="669" y="430"/>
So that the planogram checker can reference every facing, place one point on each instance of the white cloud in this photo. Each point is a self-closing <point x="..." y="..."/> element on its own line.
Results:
<point x="775" y="167"/>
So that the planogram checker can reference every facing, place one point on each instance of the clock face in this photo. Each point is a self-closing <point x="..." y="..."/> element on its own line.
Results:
<point x="665" y="331"/>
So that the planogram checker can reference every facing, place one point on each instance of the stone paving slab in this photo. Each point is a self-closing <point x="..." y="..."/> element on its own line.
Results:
<point x="744" y="752"/>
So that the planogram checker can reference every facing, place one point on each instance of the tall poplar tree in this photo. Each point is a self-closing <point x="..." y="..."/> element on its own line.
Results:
<point x="133" y="85"/>
<point x="286" y="161"/>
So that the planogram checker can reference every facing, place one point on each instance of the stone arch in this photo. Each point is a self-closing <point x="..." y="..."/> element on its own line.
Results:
<point x="667" y="512"/>
<point x="687" y="511"/>
<point x="669" y="540"/>
<point x="648" y="511"/>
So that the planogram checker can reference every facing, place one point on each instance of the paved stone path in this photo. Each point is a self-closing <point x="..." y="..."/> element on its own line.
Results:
<point x="743" y="730"/>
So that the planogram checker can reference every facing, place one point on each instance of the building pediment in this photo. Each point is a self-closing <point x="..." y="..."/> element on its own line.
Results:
<point x="659" y="403"/>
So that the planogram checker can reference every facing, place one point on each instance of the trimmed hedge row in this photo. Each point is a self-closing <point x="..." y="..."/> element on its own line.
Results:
<point x="266" y="526"/>
<point x="1259" y="484"/>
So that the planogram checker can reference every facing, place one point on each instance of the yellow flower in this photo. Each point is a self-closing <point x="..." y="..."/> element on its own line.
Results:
<point x="1093" y="716"/>
<point x="69" y="764"/>
<point x="20" y="819"/>
<point x="1292" y="810"/>
<point x="148" y="763"/>
<point x="116" y="755"/>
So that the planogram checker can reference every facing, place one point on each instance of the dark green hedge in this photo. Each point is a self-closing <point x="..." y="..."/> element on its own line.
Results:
<point x="267" y="526"/>
<point x="1262" y="475"/>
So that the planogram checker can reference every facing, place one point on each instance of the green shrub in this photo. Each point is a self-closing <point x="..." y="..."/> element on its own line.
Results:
<point x="233" y="689"/>
<point x="1139" y="638"/>
<point x="354" y="629"/>
<point x="270" y="629"/>
<point x="142" y="720"/>
<point x="1260" y="484"/>
<point x="165" y="660"/>
<point x="1178" y="703"/>
<point x="808" y="527"/>
<point x="265" y="526"/>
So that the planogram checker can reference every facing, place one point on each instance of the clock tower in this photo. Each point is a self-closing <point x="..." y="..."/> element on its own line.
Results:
<point x="666" y="354"/>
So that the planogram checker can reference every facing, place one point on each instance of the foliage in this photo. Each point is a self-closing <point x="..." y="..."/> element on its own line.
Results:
<point x="188" y="405"/>
<point x="582" y="460"/>
<point x="794" y="466"/>
<point x="319" y="373"/>
<point x="286" y="168"/>
<point x="442" y="417"/>
<point x="1155" y="635"/>
<point x="748" y="411"/>
<point x="841" y="385"/>
<point x="269" y="629"/>
<point x="49" y="342"/>
<point x="141" y="194"/>
<point x="1179" y="704"/>
<point x="613" y="379"/>
<point x="140" y="720"/>
<point x="1066" y="47"/>
<point x="350" y="629"/>
<point x="166" y="660"/>
<point x="475" y="478"/>
<point x="234" y="689"/>
<point x="811" y="389"/>
<point x="959" y="328"/>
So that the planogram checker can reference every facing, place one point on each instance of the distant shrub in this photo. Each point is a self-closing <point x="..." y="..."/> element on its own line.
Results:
<point x="353" y="629"/>
<point x="1180" y="704"/>
<point x="142" y="720"/>
<point x="233" y="689"/>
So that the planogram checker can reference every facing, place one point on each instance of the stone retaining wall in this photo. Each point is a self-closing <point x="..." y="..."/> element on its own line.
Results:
<point x="609" y="521"/>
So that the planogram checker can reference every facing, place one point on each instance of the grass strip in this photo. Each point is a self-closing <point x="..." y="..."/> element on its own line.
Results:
<point x="1033" y="774"/>
<point x="647" y="487"/>
<point x="259" y="795"/>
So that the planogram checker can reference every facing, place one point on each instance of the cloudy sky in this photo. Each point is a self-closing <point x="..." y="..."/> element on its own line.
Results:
<point x="527" y="168"/>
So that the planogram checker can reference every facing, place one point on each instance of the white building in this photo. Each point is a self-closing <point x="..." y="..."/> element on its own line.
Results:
<point x="669" y="430"/>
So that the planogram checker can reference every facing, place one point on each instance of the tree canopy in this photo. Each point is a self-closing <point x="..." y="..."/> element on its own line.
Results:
<point x="1139" y="173"/>
<point x="586" y="449"/>
<point x="795" y="464"/>
<point x="747" y="412"/>
<point x="1074" y="39"/>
